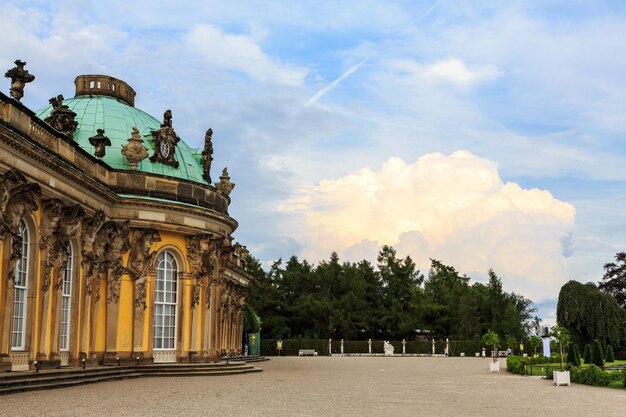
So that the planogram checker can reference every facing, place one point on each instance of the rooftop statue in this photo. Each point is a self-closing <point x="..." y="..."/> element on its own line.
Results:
<point x="19" y="77"/>
<point x="207" y="155"/>
<point x="135" y="151"/>
<point x="165" y="140"/>
<point x="62" y="118"/>
<point x="100" y="142"/>
<point x="225" y="185"/>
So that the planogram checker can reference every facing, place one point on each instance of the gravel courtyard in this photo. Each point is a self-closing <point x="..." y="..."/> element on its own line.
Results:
<point x="322" y="386"/>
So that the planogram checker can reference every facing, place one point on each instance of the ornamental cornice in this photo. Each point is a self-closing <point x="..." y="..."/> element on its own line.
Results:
<point x="52" y="161"/>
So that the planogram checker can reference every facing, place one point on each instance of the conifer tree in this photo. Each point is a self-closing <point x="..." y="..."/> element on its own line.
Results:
<point x="596" y="354"/>
<point x="587" y="354"/>
<point x="571" y="355"/>
<point x="609" y="355"/>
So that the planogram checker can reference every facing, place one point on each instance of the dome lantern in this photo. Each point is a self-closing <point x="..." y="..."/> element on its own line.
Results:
<point x="104" y="85"/>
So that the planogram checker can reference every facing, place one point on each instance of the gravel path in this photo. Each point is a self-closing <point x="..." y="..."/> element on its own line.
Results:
<point x="322" y="386"/>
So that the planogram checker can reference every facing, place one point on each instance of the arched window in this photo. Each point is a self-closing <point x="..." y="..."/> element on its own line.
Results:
<point x="20" y="298"/>
<point x="165" y="302"/>
<point x="66" y="303"/>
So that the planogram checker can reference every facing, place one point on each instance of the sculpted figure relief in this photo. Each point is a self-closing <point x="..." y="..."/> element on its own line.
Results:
<point x="140" y="259"/>
<point x="118" y="245"/>
<point x="19" y="201"/>
<point x="89" y="231"/>
<point x="199" y="257"/>
<point x="52" y="212"/>
<point x="8" y="181"/>
<point x="59" y="225"/>
<point x="110" y="243"/>
<point x="62" y="118"/>
<point x="165" y="140"/>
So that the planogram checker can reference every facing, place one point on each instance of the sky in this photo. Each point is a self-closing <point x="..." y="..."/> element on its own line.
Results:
<point x="482" y="134"/>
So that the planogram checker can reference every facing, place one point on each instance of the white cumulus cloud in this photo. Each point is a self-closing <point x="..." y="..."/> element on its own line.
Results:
<point x="449" y="207"/>
<point x="241" y="53"/>
<point x="451" y="70"/>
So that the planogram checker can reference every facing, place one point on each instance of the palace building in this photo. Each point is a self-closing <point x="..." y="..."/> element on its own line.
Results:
<point x="116" y="241"/>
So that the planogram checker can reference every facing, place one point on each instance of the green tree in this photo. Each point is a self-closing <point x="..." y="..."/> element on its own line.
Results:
<point x="251" y="321"/>
<point x="590" y="314"/>
<point x="614" y="279"/>
<point x="596" y="354"/>
<point x="400" y="280"/>
<point x="587" y="354"/>
<point x="561" y="335"/>
<point x="609" y="355"/>
<point x="572" y="357"/>
<point x="492" y="339"/>
<point x="535" y="342"/>
<point x="511" y="343"/>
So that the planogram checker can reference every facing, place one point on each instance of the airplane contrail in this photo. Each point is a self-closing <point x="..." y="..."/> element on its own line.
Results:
<point x="335" y="83"/>
<point x="430" y="9"/>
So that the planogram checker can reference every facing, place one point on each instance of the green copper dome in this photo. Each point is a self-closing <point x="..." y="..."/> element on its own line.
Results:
<point x="117" y="117"/>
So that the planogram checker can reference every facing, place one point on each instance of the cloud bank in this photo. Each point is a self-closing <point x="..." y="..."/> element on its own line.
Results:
<point x="454" y="208"/>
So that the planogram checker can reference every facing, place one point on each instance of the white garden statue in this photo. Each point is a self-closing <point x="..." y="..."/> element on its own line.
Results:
<point x="388" y="347"/>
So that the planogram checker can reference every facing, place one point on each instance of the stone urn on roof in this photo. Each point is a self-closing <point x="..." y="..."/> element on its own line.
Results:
<point x="135" y="151"/>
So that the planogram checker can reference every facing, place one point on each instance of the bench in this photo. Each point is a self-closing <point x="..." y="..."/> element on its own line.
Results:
<point x="307" y="352"/>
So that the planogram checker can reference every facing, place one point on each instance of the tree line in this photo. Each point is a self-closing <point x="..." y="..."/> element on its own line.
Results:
<point x="389" y="300"/>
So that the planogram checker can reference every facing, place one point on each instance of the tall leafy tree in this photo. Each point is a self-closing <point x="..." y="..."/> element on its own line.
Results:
<point x="614" y="279"/>
<point x="590" y="314"/>
<point x="400" y="286"/>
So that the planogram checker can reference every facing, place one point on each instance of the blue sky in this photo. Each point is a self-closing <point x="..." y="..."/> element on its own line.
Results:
<point x="428" y="125"/>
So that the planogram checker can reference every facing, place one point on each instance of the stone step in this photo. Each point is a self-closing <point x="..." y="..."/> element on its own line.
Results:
<point x="31" y="381"/>
<point x="203" y="373"/>
<point x="13" y="377"/>
<point x="66" y="383"/>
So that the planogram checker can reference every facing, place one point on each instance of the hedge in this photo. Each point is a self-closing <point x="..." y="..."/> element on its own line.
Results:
<point x="292" y="346"/>
<point x="593" y="375"/>
<point x="518" y="364"/>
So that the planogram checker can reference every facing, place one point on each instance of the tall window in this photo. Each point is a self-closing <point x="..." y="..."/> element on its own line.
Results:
<point x="18" y="335"/>
<point x="66" y="304"/>
<point x="165" y="302"/>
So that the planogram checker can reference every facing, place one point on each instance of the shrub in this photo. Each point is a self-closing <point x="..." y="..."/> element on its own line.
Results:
<point x="609" y="354"/>
<point x="577" y="353"/>
<point x="596" y="354"/>
<point x="587" y="354"/>
<point x="516" y="365"/>
<point x="571" y="355"/>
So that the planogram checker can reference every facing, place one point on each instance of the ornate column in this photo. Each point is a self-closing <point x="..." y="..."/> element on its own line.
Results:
<point x="117" y="245"/>
<point x="214" y="327"/>
<point x="58" y="258"/>
<point x="140" y="261"/>
<point x="201" y="255"/>
<point x="91" y="242"/>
